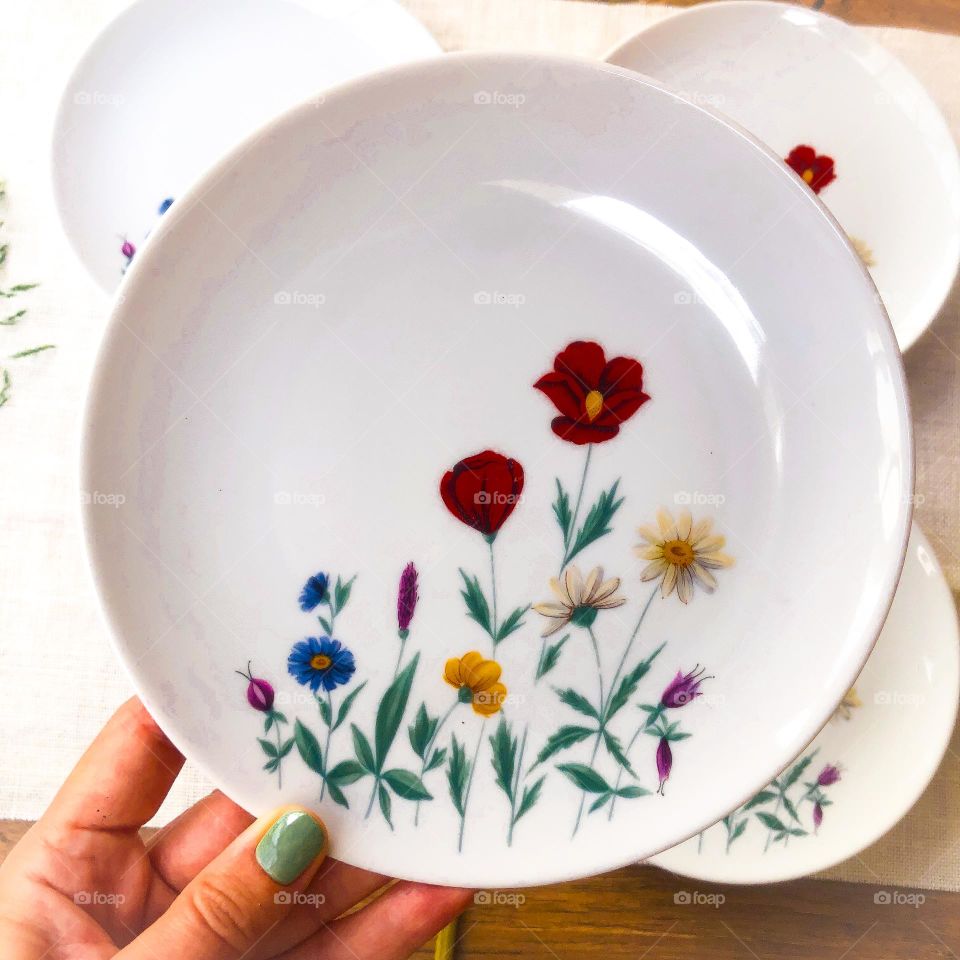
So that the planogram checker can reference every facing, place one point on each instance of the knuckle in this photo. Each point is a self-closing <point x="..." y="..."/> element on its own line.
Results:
<point x="226" y="914"/>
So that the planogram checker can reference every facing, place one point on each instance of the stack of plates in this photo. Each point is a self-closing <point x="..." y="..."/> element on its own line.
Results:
<point x="508" y="452"/>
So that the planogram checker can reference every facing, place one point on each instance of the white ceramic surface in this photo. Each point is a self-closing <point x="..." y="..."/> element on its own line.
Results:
<point x="297" y="361"/>
<point x="886" y="749"/>
<point x="794" y="77"/>
<point x="170" y="85"/>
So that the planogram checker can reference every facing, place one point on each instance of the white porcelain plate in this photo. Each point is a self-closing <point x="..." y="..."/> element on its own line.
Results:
<point x="494" y="318"/>
<point x="846" y="115"/>
<point x="171" y="85"/>
<point x="867" y="767"/>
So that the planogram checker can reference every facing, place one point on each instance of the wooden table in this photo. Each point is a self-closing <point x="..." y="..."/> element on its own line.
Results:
<point x="632" y="913"/>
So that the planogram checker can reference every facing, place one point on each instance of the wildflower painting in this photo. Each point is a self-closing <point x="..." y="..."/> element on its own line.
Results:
<point x="587" y="752"/>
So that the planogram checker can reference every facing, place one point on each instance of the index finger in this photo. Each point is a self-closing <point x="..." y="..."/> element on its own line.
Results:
<point x="122" y="778"/>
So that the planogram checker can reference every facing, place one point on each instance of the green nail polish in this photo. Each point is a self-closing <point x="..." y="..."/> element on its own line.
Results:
<point x="291" y="844"/>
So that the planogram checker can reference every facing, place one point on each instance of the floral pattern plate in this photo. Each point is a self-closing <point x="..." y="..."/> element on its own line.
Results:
<point x="869" y="764"/>
<point x="847" y="117"/>
<point x="474" y="447"/>
<point x="169" y="86"/>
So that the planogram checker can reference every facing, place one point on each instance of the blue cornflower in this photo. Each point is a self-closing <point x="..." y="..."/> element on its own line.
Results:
<point x="320" y="661"/>
<point x="314" y="592"/>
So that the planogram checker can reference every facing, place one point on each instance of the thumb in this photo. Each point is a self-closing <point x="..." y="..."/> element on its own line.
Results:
<point x="242" y="894"/>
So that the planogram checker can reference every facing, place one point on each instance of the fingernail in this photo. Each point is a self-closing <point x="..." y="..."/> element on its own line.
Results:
<point x="291" y="844"/>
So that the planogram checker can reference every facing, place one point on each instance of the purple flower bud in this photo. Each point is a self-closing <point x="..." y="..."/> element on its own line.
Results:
<point x="684" y="688"/>
<point x="829" y="775"/>
<point x="817" y="816"/>
<point x="664" y="762"/>
<point x="259" y="693"/>
<point x="128" y="249"/>
<point x="407" y="598"/>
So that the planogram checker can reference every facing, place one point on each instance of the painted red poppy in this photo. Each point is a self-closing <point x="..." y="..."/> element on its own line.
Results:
<point x="592" y="394"/>
<point x="482" y="491"/>
<point x="816" y="170"/>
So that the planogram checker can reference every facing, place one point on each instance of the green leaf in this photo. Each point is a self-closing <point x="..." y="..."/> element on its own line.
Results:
<point x="770" y="821"/>
<point x="629" y="683"/>
<point x="337" y="795"/>
<point x="503" y="757"/>
<point x="477" y="606"/>
<point x="309" y="747"/>
<point x="347" y="704"/>
<point x="762" y="797"/>
<point x="797" y="832"/>
<point x="325" y="623"/>
<point x="391" y="710"/>
<point x="347" y="772"/>
<point x="279" y="717"/>
<point x="551" y="656"/>
<point x="13" y="318"/>
<point x="615" y="749"/>
<point x="361" y="746"/>
<point x="597" y="523"/>
<point x="18" y="288"/>
<point x="561" y="510"/>
<point x="385" y="804"/>
<point x="577" y="702"/>
<point x="632" y="792"/>
<point x="601" y="801"/>
<point x="341" y="594"/>
<point x="511" y="624"/>
<point x="530" y="796"/>
<point x="675" y="737"/>
<point x="421" y="731"/>
<point x="791" y="809"/>
<point x="458" y="769"/>
<point x="406" y="784"/>
<point x="563" y="738"/>
<point x="286" y="747"/>
<point x="437" y="759"/>
<point x="324" y="711"/>
<point x="796" y="771"/>
<point x="586" y="778"/>
<point x="271" y="765"/>
<point x="738" y="830"/>
<point x="31" y="351"/>
<point x="268" y="722"/>
<point x="5" y="388"/>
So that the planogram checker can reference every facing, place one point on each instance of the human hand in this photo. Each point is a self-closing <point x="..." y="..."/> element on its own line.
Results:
<point x="83" y="885"/>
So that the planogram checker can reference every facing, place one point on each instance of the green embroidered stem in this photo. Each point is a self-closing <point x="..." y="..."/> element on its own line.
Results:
<point x="596" y="655"/>
<point x="493" y="593"/>
<point x="428" y="750"/>
<point x="466" y="795"/>
<point x="567" y="540"/>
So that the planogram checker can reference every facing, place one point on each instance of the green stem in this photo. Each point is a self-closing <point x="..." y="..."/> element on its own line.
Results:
<point x="493" y="588"/>
<point x="633" y="636"/>
<point x="576" y="510"/>
<point x="396" y="669"/>
<point x="596" y="655"/>
<point x="326" y="749"/>
<point x="373" y="794"/>
<point x="428" y="750"/>
<point x="466" y="796"/>
<point x="515" y="788"/>
<point x="276" y="727"/>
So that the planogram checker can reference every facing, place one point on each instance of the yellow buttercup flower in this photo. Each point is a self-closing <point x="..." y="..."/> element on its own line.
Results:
<point x="682" y="553"/>
<point x="579" y="599"/>
<point x="478" y="682"/>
